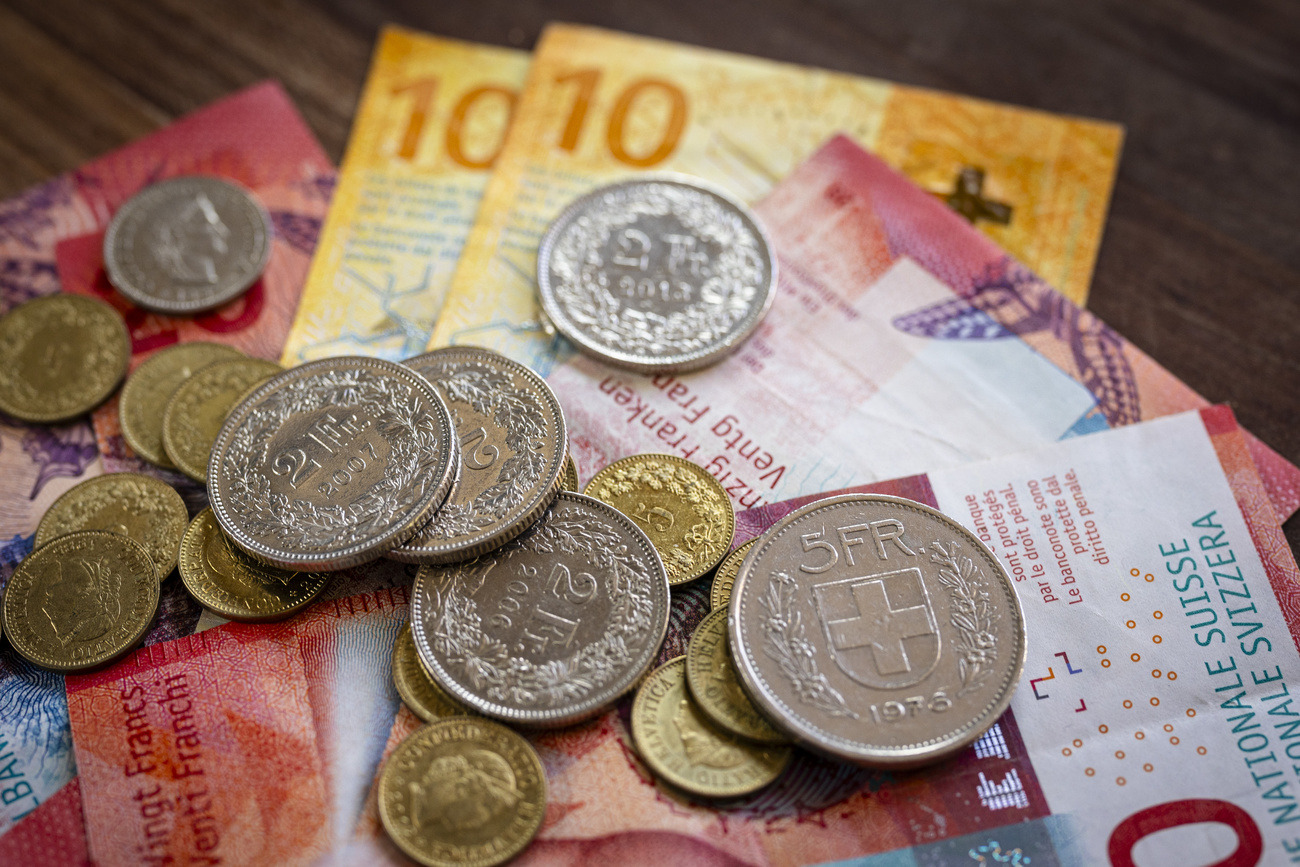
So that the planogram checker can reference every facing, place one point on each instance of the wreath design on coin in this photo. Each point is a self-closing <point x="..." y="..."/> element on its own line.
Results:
<point x="972" y="615"/>
<point x="486" y="663"/>
<point x="515" y="411"/>
<point x="786" y="643"/>
<point x="678" y="481"/>
<point x="412" y="438"/>
<point x="721" y="301"/>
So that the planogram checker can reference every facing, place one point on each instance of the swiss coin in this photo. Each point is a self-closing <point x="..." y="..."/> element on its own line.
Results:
<point x="553" y="626"/>
<point x="425" y="698"/>
<point x="81" y="601"/>
<point x="715" y="687"/>
<point x="571" y="482"/>
<point x="187" y="244"/>
<point x="60" y="357"/>
<point x="680" y="506"/>
<point x="332" y="463"/>
<point x="462" y="792"/>
<point x="725" y="577"/>
<point x="656" y="274"/>
<point x="876" y="630"/>
<point x="142" y="507"/>
<point x="144" y="397"/>
<point x="226" y="581"/>
<point x="513" y="446"/>
<point x="686" y="750"/>
<point x="200" y="405"/>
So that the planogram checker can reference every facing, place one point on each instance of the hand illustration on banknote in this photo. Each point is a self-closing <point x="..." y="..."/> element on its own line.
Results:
<point x="889" y="552"/>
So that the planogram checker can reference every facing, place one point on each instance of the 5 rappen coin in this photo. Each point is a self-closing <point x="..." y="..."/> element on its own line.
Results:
<point x="199" y="406"/>
<point x="332" y="463"/>
<point x="150" y="386"/>
<point x="146" y="509"/>
<point x="876" y="630"/>
<point x="60" y="357"/>
<point x="725" y="577"/>
<point x="81" y="601"/>
<point x="462" y="792"/>
<point x="553" y="626"/>
<point x="421" y="694"/>
<point x="225" y="580"/>
<point x="656" y="273"/>
<point x="716" y="688"/>
<point x="188" y="244"/>
<point x="513" y="448"/>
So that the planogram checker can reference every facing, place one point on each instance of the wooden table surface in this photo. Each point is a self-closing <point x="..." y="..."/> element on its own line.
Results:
<point x="1200" y="263"/>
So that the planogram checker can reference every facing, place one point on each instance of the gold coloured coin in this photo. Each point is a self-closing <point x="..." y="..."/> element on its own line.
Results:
<point x="200" y="405"/>
<point x="225" y="580"/>
<point x="81" y="601"/>
<point x="142" y="507"/>
<point x="60" y="357"/>
<point x="715" y="686"/>
<point x="685" y="749"/>
<point x="682" y="508"/>
<point x="147" y="390"/>
<point x="725" y="577"/>
<point x="570" y="482"/>
<point x="462" y="792"/>
<point x="425" y="698"/>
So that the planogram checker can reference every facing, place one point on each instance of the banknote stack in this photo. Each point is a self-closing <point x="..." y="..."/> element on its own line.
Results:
<point x="888" y="552"/>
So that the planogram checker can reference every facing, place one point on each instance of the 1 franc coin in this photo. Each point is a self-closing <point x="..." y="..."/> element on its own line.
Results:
<point x="656" y="274"/>
<point x="332" y="464"/>
<point x="462" y="792"/>
<point x="876" y="630"/>
<point x="513" y="447"/>
<point x="81" y="601"/>
<point x="226" y="581"/>
<point x="199" y="406"/>
<point x="142" y="507"/>
<point x="685" y="749"/>
<point x="425" y="698"/>
<point x="144" y="397"/>
<point x="60" y="357"/>
<point x="680" y="506"/>
<point x="187" y="245"/>
<point x="552" y="627"/>
<point x="716" y="688"/>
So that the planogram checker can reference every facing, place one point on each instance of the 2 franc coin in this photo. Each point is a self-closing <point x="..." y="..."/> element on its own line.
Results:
<point x="462" y="792"/>
<point x="876" y="630"/>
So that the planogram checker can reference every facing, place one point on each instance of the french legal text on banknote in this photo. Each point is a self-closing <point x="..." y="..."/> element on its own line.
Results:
<point x="431" y="120"/>
<point x="600" y="105"/>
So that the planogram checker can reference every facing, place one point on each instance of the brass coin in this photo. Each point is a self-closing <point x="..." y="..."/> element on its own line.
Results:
<point x="200" y="405"/>
<point x="81" y="601"/>
<point x="142" y="507"/>
<point x="425" y="698"/>
<point x="570" y="481"/>
<point x="682" y="508"/>
<point x="60" y="357"/>
<point x="225" y="580"/>
<point x="715" y="686"/>
<point x="462" y="792"/>
<point x="684" y="749"/>
<point x="725" y="577"/>
<point x="147" y="390"/>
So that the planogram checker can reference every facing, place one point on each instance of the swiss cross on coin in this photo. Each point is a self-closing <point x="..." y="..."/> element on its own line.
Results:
<point x="881" y="629"/>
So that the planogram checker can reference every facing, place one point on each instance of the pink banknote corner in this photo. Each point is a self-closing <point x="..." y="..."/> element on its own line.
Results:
<point x="201" y="751"/>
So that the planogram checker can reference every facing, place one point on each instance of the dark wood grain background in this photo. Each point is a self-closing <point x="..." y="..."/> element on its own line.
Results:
<point x="1200" y="263"/>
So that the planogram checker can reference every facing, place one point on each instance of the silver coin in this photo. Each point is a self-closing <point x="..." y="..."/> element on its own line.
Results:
<point x="552" y="627"/>
<point x="876" y="630"/>
<point x="332" y="463"/>
<point x="513" y="448"/>
<point x="187" y="244"/>
<point x="656" y="274"/>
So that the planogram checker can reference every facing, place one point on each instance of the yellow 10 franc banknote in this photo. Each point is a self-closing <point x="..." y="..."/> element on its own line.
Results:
<point x="601" y="105"/>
